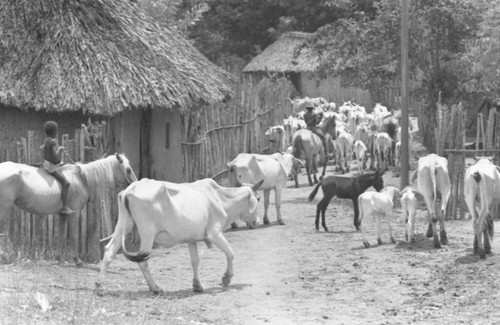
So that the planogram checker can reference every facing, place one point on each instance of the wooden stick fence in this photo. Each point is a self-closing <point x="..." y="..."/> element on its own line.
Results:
<point x="36" y="236"/>
<point x="235" y="128"/>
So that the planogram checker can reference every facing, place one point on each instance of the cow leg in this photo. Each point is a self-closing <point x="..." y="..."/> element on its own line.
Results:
<point x="429" y="232"/>
<point x="195" y="263"/>
<point x="443" y="235"/>
<point x="267" y="193"/>
<point x="433" y="221"/>
<point x="109" y="255"/>
<point x="153" y="287"/>
<point x="220" y="241"/>
<point x="277" y="203"/>
<point x="379" y="228"/>
<point x="363" y="232"/>
<point x="412" y="228"/>
<point x="487" y="245"/>
<point x="356" y="213"/>
<point x="390" y="229"/>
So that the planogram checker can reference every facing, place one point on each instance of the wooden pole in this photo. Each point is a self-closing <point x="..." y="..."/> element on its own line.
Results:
<point x="405" y="154"/>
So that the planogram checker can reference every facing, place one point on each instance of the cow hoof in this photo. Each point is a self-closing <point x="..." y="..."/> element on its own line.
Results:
<point x="482" y="254"/>
<point x="366" y="244"/>
<point x="197" y="287"/>
<point x="437" y="245"/>
<point x="444" y="238"/>
<point x="281" y="222"/>
<point x="234" y="225"/>
<point x="78" y="262"/>
<point x="266" y="220"/>
<point x="487" y="250"/>
<point x="379" y="241"/>
<point x="393" y="240"/>
<point x="226" y="279"/>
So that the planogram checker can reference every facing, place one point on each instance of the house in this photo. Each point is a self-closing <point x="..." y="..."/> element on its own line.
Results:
<point x="71" y="60"/>
<point x="290" y="55"/>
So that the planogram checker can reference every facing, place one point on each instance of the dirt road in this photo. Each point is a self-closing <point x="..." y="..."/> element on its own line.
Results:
<point x="283" y="275"/>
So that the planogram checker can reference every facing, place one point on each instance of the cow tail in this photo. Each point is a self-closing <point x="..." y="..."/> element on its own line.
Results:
<point x="488" y="221"/>
<point x="314" y="192"/>
<point x="124" y="212"/>
<point x="433" y="179"/>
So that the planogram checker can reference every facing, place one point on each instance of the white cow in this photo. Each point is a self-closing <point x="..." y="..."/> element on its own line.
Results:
<point x="292" y="125"/>
<point x="482" y="195"/>
<point x="276" y="135"/>
<point x="343" y="150"/>
<point x="273" y="169"/>
<point x="379" y="204"/>
<point x="360" y="149"/>
<point x="409" y="212"/>
<point x="382" y="149"/>
<point x="165" y="214"/>
<point x="432" y="177"/>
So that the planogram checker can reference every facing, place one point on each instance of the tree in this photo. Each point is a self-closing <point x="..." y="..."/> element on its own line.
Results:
<point x="440" y="31"/>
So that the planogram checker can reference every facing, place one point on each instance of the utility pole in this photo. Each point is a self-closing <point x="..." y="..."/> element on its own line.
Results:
<point x="405" y="144"/>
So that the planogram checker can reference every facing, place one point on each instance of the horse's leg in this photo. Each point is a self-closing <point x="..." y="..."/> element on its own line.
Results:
<point x="315" y="169"/>
<point x="220" y="241"/>
<point x="266" y="205"/>
<point x="308" y="170"/>
<point x="277" y="203"/>
<point x="195" y="263"/>
<point x="73" y="229"/>
<point x="62" y="241"/>
<point x="324" y="169"/>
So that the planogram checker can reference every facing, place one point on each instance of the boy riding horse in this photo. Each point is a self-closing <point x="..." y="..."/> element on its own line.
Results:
<point x="312" y="120"/>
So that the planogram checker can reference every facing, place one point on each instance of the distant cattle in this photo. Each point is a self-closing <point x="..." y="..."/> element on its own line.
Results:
<point x="165" y="214"/>
<point x="343" y="151"/>
<point x="409" y="212"/>
<point x="344" y="187"/>
<point x="482" y="195"/>
<point x="273" y="169"/>
<point x="380" y="205"/>
<point x="360" y="151"/>
<point x="432" y="178"/>
<point x="382" y="149"/>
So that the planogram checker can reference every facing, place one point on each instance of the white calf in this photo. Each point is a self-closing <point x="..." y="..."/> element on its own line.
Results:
<point x="359" y="149"/>
<point x="379" y="204"/>
<point x="408" y="212"/>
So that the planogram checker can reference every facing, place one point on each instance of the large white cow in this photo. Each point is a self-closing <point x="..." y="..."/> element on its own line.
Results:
<point x="432" y="177"/>
<point x="273" y="169"/>
<point x="482" y="195"/>
<point x="165" y="214"/>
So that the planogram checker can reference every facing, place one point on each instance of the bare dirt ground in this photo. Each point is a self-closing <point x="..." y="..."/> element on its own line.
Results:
<point x="283" y="275"/>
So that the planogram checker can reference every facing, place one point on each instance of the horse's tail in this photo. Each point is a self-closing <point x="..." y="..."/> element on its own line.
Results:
<point x="314" y="192"/>
<point x="125" y="212"/>
<point x="297" y="147"/>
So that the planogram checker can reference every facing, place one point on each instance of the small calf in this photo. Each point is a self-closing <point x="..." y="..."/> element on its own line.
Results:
<point x="409" y="211"/>
<point x="379" y="204"/>
<point x="360" y="149"/>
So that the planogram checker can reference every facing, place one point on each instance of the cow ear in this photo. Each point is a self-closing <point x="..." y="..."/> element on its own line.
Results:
<point x="257" y="185"/>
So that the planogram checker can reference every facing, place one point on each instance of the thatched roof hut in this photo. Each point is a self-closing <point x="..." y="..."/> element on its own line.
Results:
<point x="288" y="54"/>
<point x="98" y="57"/>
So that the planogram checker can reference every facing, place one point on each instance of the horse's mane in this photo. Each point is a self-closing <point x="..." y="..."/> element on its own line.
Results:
<point x="99" y="175"/>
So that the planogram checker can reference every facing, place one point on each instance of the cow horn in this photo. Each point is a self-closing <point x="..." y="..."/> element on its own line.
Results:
<point x="257" y="185"/>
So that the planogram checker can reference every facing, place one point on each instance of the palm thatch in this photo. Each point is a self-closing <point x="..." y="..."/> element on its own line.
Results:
<point x="99" y="57"/>
<point x="288" y="54"/>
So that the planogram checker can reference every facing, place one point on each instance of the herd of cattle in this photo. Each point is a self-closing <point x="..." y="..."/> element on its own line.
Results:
<point x="165" y="214"/>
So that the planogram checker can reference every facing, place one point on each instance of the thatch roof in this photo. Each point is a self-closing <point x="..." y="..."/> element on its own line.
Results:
<point x="100" y="57"/>
<point x="288" y="54"/>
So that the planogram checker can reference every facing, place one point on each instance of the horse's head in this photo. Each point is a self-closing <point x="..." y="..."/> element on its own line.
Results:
<point x="330" y="126"/>
<point x="126" y="169"/>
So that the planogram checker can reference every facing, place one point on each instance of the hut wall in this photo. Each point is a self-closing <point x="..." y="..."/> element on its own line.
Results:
<point x="330" y="88"/>
<point x="166" y="151"/>
<point x="14" y="123"/>
<point x="126" y="133"/>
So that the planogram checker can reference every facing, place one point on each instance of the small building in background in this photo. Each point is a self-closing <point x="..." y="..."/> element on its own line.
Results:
<point x="290" y="55"/>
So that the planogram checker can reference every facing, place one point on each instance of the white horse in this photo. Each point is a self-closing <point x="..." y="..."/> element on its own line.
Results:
<point x="36" y="191"/>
